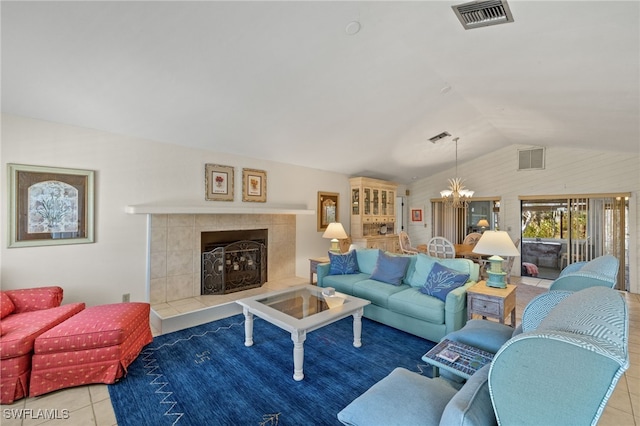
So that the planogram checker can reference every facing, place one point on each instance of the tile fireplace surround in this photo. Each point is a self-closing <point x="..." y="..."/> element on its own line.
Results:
<point x="175" y="249"/>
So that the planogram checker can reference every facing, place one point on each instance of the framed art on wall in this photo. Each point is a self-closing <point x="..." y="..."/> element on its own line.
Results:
<point x="218" y="182"/>
<point x="50" y="206"/>
<point x="327" y="209"/>
<point x="416" y="216"/>
<point x="254" y="185"/>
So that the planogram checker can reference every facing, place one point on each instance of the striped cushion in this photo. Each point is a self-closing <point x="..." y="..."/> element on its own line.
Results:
<point x="594" y="315"/>
<point x="539" y="307"/>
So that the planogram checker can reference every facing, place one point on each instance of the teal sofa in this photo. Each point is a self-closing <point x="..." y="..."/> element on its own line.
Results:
<point x="561" y="370"/>
<point x="404" y="306"/>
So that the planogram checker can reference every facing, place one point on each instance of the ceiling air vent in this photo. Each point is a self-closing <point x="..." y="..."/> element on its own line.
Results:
<point x="531" y="159"/>
<point x="442" y="135"/>
<point x="483" y="13"/>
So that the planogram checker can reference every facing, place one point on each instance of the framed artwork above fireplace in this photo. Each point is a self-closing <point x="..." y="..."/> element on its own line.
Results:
<point x="254" y="185"/>
<point x="218" y="182"/>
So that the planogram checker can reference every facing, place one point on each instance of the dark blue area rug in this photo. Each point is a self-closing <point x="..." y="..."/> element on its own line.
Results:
<point x="206" y="376"/>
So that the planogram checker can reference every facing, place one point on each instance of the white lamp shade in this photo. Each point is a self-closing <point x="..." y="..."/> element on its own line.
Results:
<point x="335" y="230"/>
<point x="496" y="243"/>
<point x="483" y="223"/>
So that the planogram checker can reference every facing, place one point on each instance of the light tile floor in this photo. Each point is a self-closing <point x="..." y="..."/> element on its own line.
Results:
<point x="91" y="405"/>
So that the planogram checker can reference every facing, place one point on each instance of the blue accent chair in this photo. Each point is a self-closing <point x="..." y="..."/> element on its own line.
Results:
<point x="601" y="271"/>
<point x="561" y="370"/>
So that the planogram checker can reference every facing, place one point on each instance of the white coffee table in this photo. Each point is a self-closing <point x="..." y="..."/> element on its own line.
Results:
<point x="300" y="310"/>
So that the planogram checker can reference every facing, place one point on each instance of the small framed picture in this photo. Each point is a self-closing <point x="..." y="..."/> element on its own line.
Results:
<point x="327" y="209"/>
<point x="50" y="206"/>
<point x="416" y="216"/>
<point x="254" y="185"/>
<point x="218" y="182"/>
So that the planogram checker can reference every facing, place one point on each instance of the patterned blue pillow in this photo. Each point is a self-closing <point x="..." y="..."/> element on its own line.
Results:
<point x="442" y="280"/>
<point x="342" y="264"/>
<point x="390" y="269"/>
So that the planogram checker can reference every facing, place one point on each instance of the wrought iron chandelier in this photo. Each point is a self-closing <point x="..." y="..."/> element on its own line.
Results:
<point x="457" y="195"/>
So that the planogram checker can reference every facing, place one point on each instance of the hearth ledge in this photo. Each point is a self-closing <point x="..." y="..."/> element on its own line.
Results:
<point x="164" y="325"/>
<point x="208" y="209"/>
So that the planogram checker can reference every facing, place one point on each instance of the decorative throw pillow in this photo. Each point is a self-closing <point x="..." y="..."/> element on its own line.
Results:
<point x="442" y="280"/>
<point x="6" y="305"/>
<point x="367" y="259"/>
<point x="424" y="264"/>
<point x="390" y="269"/>
<point x="342" y="264"/>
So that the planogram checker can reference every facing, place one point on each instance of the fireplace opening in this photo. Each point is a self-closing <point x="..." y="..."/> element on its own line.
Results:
<point x="233" y="260"/>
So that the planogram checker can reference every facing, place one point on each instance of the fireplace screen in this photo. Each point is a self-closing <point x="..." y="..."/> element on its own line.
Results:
<point x="237" y="266"/>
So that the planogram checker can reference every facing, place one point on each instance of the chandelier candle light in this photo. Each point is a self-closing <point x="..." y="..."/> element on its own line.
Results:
<point x="496" y="243"/>
<point x="457" y="195"/>
<point x="336" y="232"/>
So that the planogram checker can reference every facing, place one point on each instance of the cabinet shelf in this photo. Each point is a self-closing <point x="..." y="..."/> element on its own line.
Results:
<point x="373" y="213"/>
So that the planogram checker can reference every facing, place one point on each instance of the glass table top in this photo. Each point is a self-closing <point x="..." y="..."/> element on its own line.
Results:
<point x="302" y="303"/>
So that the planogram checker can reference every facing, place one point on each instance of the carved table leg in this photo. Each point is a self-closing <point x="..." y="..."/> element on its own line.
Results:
<point x="357" y="328"/>
<point x="248" y="327"/>
<point x="298" y="338"/>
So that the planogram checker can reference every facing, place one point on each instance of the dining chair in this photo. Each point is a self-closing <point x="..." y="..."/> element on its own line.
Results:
<point x="405" y="244"/>
<point x="472" y="238"/>
<point x="441" y="247"/>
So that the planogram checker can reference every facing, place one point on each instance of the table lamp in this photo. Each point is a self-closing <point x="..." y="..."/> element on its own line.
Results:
<point x="336" y="232"/>
<point x="496" y="243"/>
<point x="483" y="223"/>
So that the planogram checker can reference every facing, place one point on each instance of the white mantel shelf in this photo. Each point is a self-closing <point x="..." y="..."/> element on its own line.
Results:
<point x="211" y="209"/>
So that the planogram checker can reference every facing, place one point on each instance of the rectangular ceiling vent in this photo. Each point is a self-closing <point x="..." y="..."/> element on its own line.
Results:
<point x="531" y="159"/>
<point x="483" y="13"/>
<point x="441" y="136"/>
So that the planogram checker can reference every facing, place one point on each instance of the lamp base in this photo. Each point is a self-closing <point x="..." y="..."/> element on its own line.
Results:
<point x="497" y="279"/>
<point x="335" y="246"/>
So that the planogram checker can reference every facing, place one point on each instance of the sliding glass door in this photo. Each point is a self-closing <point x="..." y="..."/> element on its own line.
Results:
<point x="558" y="231"/>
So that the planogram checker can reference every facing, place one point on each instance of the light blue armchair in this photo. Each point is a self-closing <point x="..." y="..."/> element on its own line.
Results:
<point x="574" y="358"/>
<point x="601" y="271"/>
<point x="562" y="369"/>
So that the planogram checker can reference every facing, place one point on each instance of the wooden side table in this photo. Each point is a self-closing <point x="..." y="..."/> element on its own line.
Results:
<point x="492" y="302"/>
<point x="313" y="266"/>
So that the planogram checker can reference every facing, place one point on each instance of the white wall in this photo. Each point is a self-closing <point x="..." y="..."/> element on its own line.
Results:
<point x="133" y="171"/>
<point x="567" y="171"/>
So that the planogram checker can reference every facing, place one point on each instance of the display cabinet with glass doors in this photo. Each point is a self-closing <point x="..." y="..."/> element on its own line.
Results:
<point x="373" y="215"/>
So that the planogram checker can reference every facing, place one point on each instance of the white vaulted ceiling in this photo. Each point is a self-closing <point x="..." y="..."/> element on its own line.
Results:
<point x="284" y="81"/>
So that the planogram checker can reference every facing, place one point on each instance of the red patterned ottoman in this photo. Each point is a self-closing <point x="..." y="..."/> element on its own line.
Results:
<point x="94" y="346"/>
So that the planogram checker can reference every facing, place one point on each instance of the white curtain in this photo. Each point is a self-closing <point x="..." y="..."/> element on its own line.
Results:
<point x="449" y="222"/>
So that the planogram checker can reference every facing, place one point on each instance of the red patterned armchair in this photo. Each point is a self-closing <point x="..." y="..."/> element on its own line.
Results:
<point x="25" y="315"/>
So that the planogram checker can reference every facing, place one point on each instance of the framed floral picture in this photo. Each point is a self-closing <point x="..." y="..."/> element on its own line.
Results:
<point x="254" y="185"/>
<point x="218" y="182"/>
<point x="50" y="206"/>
